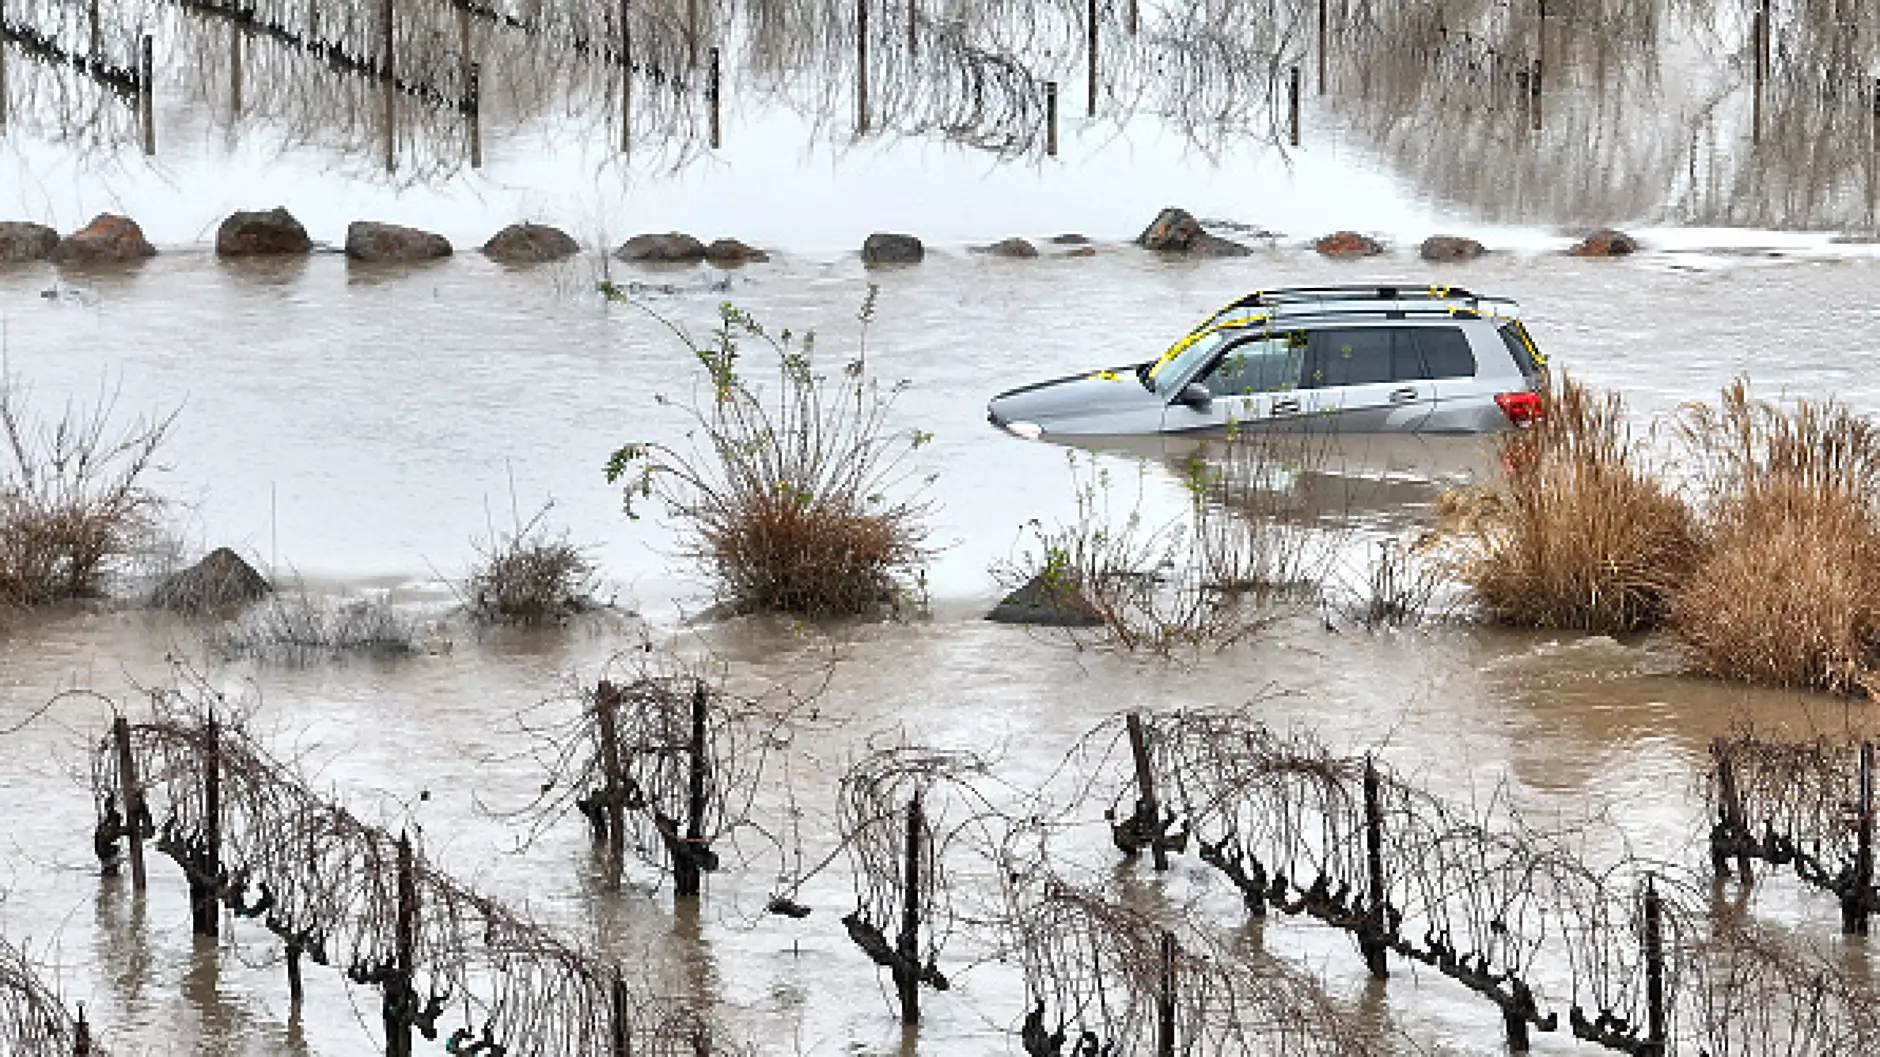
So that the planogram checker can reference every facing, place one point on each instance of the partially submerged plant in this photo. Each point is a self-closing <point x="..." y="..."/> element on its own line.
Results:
<point x="529" y="575"/>
<point x="797" y="497"/>
<point x="298" y="628"/>
<point x="74" y="497"/>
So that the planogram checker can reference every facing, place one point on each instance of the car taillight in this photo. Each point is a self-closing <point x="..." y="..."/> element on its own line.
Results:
<point x="1521" y="408"/>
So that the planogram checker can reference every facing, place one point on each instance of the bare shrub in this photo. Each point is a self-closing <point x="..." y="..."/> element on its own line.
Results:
<point x="529" y="576"/>
<point x="1789" y="589"/>
<point x="73" y="497"/>
<point x="298" y="628"/>
<point x="1580" y="533"/>
<point x="796" y="499"/>
<point x="1400" y="582"/>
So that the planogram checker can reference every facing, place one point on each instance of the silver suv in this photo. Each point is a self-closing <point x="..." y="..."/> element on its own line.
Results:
<point x="1365" y="359"/>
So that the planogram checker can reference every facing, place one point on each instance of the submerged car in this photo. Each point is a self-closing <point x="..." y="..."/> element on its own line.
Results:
<point x="1362" y="359"/>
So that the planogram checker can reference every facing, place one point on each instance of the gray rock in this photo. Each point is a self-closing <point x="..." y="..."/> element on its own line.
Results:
<point x="1045" y="605"/>
<point x="219" y="581"/>
<point x="109" y="238"/>
<point x="1447" y="249"/>
<point x="527" y="243"/>
<point x="1606" y="242"/>
<point x="885" y="248"/>
<point x="731" y="251"/>
<point x="1348" y="244"/>
<point x="1070" y="238"/>
<point x="375" y="243"/>
<point x="673" y="247"/>
<point x="270" y="233"/>
<point x="23" y="240"/>
<point x="1172" y="230"/>
<point x="1013" y="247"/>
<point x="1206" y="245"/>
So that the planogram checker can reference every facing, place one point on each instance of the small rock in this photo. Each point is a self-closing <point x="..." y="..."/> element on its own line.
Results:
<point x="23" y="240"/>
<point x="1206" y="245"/>
<point x="1013" y="247"/>
<point x="246" y="234"/>
<point x="1348" y="244"/>
<point x="1445" y="249"/>
<point x="673" y="247"/>
<point x="373" y="242"/>
<point x="218" y="581"/>
<point x="1606" y="242"/>
<point x="1070" y="238"/>
<point x="1080" y="251"/>
<point x="1045" y="605"/>
<point x="885" y="248"/>
<point x="731" y="251"/>
<point x="1172" y="229"/>
<point x="527" y="243"/>
<point x="108" y="238"/>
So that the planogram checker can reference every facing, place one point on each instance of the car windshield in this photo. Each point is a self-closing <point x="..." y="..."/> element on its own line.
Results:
<point x="1180" y="361"/>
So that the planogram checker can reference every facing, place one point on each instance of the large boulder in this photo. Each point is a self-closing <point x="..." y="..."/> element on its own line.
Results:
<point x="377" y="243"/>
<point x="1448" y="249"/>
<point x="23" y="240"/>
<point x="219" y="581"/>
<point x="271" y="233"/>
<point x="673" y="247"/>
<point x="1043" y="603"/>
<point x="527" y="243"/>
<point x="1348" y="244"/>
<point x="731" y="251"/>
<point x="1172" y="230"/>
<point x="886" y="248"/>
<point x="1606" y="242"/>
<point x="1013" y="247"/>
<point x="109" y="238"/>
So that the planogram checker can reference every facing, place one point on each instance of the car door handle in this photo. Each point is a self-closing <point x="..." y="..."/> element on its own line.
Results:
<point x="1404" y="395"/>
<point x="1288" y="406"/>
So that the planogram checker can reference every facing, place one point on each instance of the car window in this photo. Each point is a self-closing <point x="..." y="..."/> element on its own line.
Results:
<point x="1361" y="356"/>
<point x="1266" y="364"/>
<point x="1446" y="352"/>
<point x="1526" y="356"/>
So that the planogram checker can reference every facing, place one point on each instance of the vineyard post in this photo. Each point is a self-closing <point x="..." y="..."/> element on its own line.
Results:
<point x="613" y="824"/>
<point x="1855" y="902"/>
<point x="907" y="944"/>
<point x="204" y="909"/>
<point x="146" y="105"/>
<point x="473" y="101"/>
<point x="1146" y="806"/>
<point x="691" y="34"/>
<point x="385" y="40"/>
<point x="626" y="73"/>
<point x="1730" y="808"/>
<point x="1050" y="119"/>
<point x="1534" y="96"/>
<point x="1654" y="973"/>
<point x="96" y="45"/>
<point x="622" y="1037"/>
<point x="1090" y="48"/>
<point x="131" y="795"/>
<point x="687" y="869"/>
<point x="235" y="70"/>
<point x="1292" y="104"/>
<point x="1135" y="17"/>
<point x="399" y="995"/>
<point x="1371" y="935"/>
<point x="913" y="24"/>
<point x="712" y="91"/>
<point x="861" y="67"/>
<point x="1165" y="999"/>
<point x="1324" y="29"/>
<point x="1758" y="30"/>
<point x="81" y="1034"/>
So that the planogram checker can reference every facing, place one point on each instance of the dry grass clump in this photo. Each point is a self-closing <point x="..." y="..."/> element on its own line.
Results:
<point x="298" y="629"/>
<point x="1788" y="590"/>
<point x="1581" y="534"/>
<point x="796" y="497"/>
<point x="73" y="498"/>
<point x="529" y="576"/>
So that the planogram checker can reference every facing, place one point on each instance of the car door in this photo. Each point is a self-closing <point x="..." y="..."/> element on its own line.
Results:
<point x="1249" y="383"/>
<point x="1365" y="379"/>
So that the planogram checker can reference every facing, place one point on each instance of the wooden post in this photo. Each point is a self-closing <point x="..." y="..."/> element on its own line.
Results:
<point x="81" y="1034"/>
<point x="1324" y="32"/>
<point x="1292" y="104"/>
<point x="1134" y="16"/>
<point x="404" y="953"/>
<point x="1090" y="48"/>
<point x="131" y="795"/>
<point x="1371" y="939"/>
<point x="94" y="50"/>
<point x="691" y="34"/>
<point x="687" y="874"/>
<point x="607" y="722"/>
<point x="146" y="103"/>
<point x="385" y="40"/>
<point x="1758" y="33"/>
<point x="626" y="74"/>
<point x="1165" y="1000"/>
<point x="913" y="24"/>
<point x="713" y="88"/>
<point x="205" y="910"/>
<point x="1654" y="973"/>
<point x="622" y="1032"/>
<point x="1855" y="902"/>
<point x="1534" y="96"/>
<point x="1050" y="119"/>
<point x="1730" y="800"/>
<point x="907" y="944"/>
<point x="473" y="90"/>
<point x="861" y="67"/>
<point x="1146" y="805"/>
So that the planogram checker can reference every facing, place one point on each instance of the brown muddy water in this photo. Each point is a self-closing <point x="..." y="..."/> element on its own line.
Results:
<point x="363" y="427"/>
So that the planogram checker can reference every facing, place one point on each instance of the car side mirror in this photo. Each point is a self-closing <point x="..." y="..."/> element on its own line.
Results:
<point x="1195" y="395"/>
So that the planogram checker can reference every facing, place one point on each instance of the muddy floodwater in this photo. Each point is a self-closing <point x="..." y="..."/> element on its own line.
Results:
<point x="366" y="428"/>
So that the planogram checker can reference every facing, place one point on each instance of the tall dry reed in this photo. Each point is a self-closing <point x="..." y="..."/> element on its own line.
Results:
<point x="1581" y="533"/>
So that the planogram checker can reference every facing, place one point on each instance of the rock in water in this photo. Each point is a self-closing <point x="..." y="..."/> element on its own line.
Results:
<point x="1348" y="244"/>
<point x="1606" y="242"/>
<point x="374" y="243"/>
<point x="219" y="581"/>
<point x="23" y="240"/>
<point x="274" y="232"/>
<point x="1172" y="229"/>
<point x="674" y="247"/>
<point x="1046" y="605"/>
<point x="530" y="244"/>
<point x="731" y="251"/>
<point x="109" y="238"/>
<point x="1013" y="247"/>
<point x="1448" y="249"/>
<point x="886" y="248"/>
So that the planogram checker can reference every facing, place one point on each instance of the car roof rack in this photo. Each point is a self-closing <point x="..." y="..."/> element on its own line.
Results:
<point x="1392" y="300"/>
